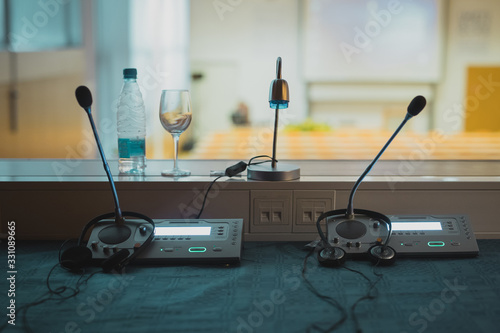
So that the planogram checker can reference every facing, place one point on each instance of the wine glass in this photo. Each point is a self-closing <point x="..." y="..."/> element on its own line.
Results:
<point x="175" y="116"/>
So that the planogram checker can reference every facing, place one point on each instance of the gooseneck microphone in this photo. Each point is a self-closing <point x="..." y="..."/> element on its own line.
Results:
<point x="414" y="108"/>
<point x="84" y="98"/>
<point x="350" y="228"/>
<point x="78" y="257"/>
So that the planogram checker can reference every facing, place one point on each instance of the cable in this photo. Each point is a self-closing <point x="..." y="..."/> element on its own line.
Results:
<point x="206" y="195"/>
<point x="368" y="295"/>
<point x="324" y="298"/>
<point x="51" y="295"/>
<point x="260" y="156"/>
<point x="352" y="310"/>
<point x="230" y="172"/>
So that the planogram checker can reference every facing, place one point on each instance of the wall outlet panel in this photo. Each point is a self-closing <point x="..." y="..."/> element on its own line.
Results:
<point x="308" y="206"/>
<point x="271" y="211"/>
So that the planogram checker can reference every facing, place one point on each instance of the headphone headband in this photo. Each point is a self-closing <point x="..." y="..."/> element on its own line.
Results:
<point x="135" y="252"/>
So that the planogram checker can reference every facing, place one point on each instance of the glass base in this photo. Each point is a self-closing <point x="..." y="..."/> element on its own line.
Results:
<point x="175" y="173"/>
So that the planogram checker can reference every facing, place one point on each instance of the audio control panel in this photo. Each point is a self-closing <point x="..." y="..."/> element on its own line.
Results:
<point x="411" y="235"/>
<point x="175" y="240"/>
<point x="433" y="235"/>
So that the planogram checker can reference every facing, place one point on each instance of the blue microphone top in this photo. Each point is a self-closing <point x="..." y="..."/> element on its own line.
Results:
<point x="278" y="104"/>
<point x="278" y="92"/>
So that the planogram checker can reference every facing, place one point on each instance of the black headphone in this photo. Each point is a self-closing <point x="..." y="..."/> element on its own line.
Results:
<point x="379" y="254"/>
<point x="78" y="257"/>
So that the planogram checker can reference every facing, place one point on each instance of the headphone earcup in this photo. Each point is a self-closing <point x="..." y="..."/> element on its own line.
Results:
<point x="382" y="255"/>
<point x="331" y="256"/>
<point x="75" y="258"/>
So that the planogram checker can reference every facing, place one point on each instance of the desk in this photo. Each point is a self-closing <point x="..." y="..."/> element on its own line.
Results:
<point x="265" y="293"/>
<point x="53" y="199"/>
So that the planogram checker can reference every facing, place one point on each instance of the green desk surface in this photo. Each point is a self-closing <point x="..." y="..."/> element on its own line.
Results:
<point x="265" y="293"/>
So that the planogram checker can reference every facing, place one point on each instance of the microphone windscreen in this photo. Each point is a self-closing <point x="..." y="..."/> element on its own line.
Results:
<point x="416" y="105"/>
<point x="83" y="96"/>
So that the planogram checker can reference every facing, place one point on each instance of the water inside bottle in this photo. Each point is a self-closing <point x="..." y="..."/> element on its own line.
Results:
<point x="131" y="153"/>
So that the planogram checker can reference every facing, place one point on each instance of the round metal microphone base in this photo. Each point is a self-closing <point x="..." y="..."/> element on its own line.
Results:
<point x="351" y="229"/>
<point x="114" y="234"/>
<point x="268" y="173"/>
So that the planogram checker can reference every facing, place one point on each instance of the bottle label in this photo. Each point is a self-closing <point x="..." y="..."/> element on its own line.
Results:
<point x="128" y="148"/>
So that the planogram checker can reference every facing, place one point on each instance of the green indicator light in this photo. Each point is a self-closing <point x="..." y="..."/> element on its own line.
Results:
<point x="197" y="249"/>
<point x="435" y="244"/>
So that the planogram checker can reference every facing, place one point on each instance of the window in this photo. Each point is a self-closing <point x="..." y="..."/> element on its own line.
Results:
<point x="42" y="60"/>
<point x="352" y="68"/>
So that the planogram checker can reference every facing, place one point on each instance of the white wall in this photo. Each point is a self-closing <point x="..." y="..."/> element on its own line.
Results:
<point x="160" y="51"/>
<point x="236" y="43"/>
<point x="151" y="36"/>
<point x="473" y="38"/>
<point x="112" y="40"/>
<point x="248" y="36"/>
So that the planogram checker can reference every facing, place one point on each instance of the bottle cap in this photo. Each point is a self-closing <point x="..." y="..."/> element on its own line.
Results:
<point x="130" y="73"/>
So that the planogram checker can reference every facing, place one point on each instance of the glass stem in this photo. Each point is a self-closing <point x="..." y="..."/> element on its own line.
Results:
<point x="176" y="149"/>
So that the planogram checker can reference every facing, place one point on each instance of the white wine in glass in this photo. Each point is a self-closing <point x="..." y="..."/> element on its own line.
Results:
<point x="175" y="116"/>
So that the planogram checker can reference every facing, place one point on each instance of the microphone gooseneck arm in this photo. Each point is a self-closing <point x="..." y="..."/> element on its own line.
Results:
<point x="275" y="136"/>
<point x="350" y="208"/>
<point x="118" y="212"/>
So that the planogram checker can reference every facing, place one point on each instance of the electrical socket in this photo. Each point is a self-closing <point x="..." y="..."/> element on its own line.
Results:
<point x="271" y="211"/>
<point x="308" y="206"/>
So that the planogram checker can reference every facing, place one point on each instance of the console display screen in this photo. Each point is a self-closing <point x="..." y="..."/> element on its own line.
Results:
<point x="182" y="231"/>
<point x="416" y="226"/>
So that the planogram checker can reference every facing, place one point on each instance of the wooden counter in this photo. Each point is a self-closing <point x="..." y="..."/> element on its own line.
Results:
<point x="53" y="199"/>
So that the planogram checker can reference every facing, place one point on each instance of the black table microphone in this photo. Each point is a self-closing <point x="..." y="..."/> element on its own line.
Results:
<point x="117" y="233"/>
<point x="414" y="108"/>
<point x="353" y="227"/>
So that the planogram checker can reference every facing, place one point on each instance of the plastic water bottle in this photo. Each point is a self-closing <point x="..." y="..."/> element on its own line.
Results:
<point x="131" y="121"/>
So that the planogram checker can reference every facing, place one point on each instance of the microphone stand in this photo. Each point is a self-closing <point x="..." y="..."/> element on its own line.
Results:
<point x="350" y="209"/>
<point x="118" y="232"/>
<point x="275" y="137"/>
<point x="278" y="99"/>
<point x="118" y="212"/>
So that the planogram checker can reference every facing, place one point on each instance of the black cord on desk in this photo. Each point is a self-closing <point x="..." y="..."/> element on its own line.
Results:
<point x="57" y="294"/>
<point x="233" y="171"/>
<point x="330" y="300"/>
<point x="368" y="296"/>
<point x="206" y="195"/>
<point x="52" y="294"/>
